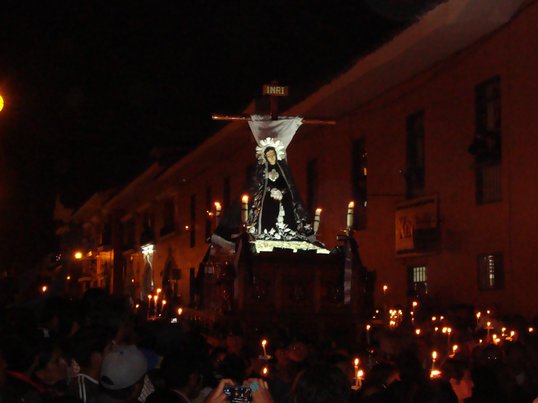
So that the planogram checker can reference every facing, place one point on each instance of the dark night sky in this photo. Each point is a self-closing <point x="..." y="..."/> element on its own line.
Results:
<point x="92" y="86"/>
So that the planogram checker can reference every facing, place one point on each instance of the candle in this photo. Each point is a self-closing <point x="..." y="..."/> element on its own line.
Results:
<point x="356" y="364"/>
<point x="385" y="288"/>
<point x="448" y="332"/>
<point x="368" y="335"/>
<point x="264" y="343"/>
<point x="358" y="378"/>
<point x="454" y="349"/>
<point x="435" y="373"/>
<point x="417" y="332"/>
<point x="163" y="303"/>
<point x="265" y="371"/>
<point x="218" y="209"/>
<point x="149" y="303"/>
<point x="317" y="218"/>
<point x="488" y="327"/>
<point x="179" y="311"/>
<point x="350" y="208"/>
<point x="434" y="357"/>
<point x="244" y="209"/>
<point x="155" y="299"/>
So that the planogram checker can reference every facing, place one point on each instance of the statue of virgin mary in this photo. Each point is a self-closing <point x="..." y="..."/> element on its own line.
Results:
<point x="276" y="211"/>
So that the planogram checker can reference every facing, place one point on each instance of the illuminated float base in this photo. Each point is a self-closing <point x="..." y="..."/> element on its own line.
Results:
<point x="261" y="246"/>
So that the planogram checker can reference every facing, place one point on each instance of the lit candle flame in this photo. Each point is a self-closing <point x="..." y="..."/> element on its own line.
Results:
<point x="180" y="311"/>
<point x="356" y="362"/>
<point x="435" y="373"/>
<point x="417" y="332"/>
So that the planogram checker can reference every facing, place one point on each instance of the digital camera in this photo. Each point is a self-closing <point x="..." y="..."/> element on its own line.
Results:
<point x="238" y="394"/>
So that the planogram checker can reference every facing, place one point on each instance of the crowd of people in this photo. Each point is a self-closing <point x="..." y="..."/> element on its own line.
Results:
<point x="101" y="349"/>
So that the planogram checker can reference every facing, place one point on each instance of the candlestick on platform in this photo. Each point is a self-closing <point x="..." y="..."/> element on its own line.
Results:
<point x="244" y="209"/>
<point x="350" y="208"/>
<point x="218" y="210"/>
<point x="317" y="219"/>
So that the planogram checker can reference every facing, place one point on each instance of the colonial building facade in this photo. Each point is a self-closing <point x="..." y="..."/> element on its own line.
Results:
<point x="435" y="143"/>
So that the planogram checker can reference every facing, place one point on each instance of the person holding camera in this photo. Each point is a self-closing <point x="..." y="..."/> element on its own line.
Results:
<point x="253" y="390"/>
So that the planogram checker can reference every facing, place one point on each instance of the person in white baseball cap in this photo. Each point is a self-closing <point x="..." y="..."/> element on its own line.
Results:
<point x="122" y="375"/>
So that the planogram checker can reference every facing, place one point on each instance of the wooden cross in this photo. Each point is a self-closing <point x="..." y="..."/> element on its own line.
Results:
<point x="274" y="91"/>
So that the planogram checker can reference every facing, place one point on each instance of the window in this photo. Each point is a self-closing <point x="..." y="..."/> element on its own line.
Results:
<point x="488" y="106"/>
<point x="147" y="235"/>
<point x="488" y="184"/>
<point x="168" y="216"/>
<point x="192" y="226"/>
<point x="418" y="278"/>
<point x="312" y="185"/>
<point x="209" y="208"/>
<point x="359" y="175"/>
<point x="487" y="144"/>
<point x="490" y="271"/>
<point x="415" y="166"/>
